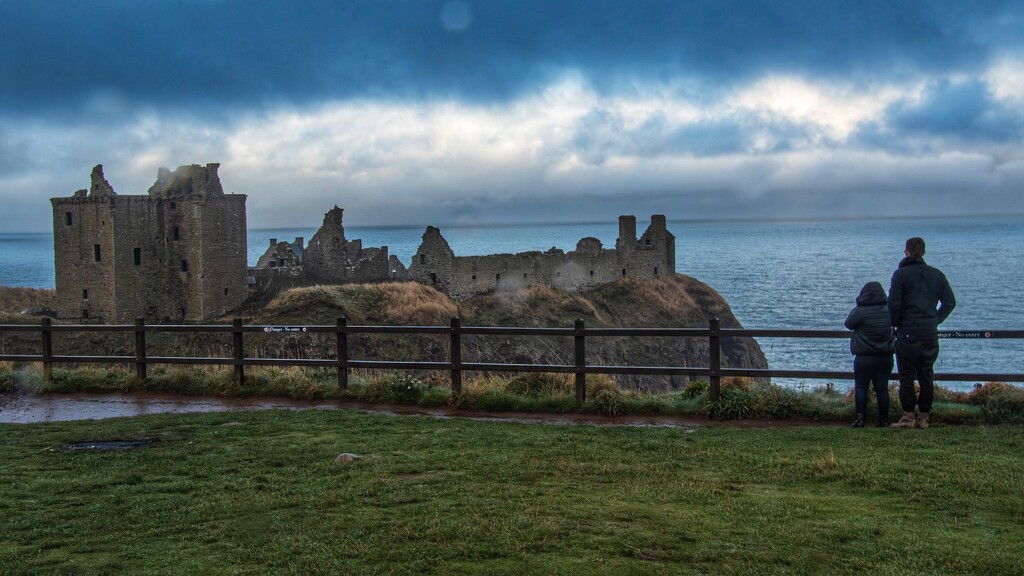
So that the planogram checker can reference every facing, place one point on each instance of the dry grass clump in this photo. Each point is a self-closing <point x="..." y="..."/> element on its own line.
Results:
<point x="296" y="298"/>
<point x="412" y="303"/>
<point x="539" y="297"/>
<point x="13" y="300"/>
<point x="661" y="293"/>
<point x="983" y="393"/>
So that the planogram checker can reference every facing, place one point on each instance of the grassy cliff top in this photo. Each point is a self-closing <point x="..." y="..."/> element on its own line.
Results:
<point x="676" y="300"/>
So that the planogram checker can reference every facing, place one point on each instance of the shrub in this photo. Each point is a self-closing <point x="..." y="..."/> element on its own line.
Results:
<point x="608" y="401"/>
<point x="66" y="380"/>
<point x="733" y="403"/>
<point x="695" y="388"/>
<point x="778" y="402"/>
<point x="395" y="389"/>
<point x="6" y="378"/>
<point x="999" y="402"/>
<point x="435" y="396"/>
<point x="982" y="393"/>
<point x="596" y="383"/>
<point x="539" y="384"/>
<point x="289" y="382"/>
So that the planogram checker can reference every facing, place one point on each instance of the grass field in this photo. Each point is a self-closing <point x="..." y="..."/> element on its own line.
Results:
<point x="261" y="493"/>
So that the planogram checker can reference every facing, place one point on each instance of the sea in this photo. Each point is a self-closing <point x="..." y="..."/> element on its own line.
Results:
<point x="774" y="274"/>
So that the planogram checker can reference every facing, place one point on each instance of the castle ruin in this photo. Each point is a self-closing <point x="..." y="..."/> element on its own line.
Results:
<point x="588" y="266"/>
<point x="328" y="259"/>
<point x="177" y="253"/>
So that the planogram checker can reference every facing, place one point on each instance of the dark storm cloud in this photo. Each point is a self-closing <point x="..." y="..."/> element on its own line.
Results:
<point x="962" y="113"/>
<point x="229" y="53"/>
<point x="603" y="133"/>
<point x="964" y="110"/>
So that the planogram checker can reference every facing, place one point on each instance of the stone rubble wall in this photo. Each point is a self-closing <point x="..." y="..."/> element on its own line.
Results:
<point x="587" y="267"/>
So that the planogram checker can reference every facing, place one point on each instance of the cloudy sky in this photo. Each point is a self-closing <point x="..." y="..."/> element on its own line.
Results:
<point x="440" y="112"/>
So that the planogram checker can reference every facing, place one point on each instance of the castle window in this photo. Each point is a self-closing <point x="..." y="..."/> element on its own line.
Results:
<point x="85" y="313"/>
<point x="280" y="262"/>
<point x="67" y="218"/>
<point x="433" y="278"/>
<point x="96" y="252"/>
<point x="137" y="255"/>
<point x="173" y="205"/>
<point x="591" y="272"/>
<point x="177" y="233"/>
<point x="225" y="291"/>
<point x="524" y="275"/>
<point x="423" y="258"/>
<point x="655" y="270"/>
<point x="558" y="274"/>
<point x="623" y="271"/>
<point x="184" y="265"/>
<point x="497" y="277"/>
<point x="85" y="293"/>
<point x="648" y="242"/>
<point x="474" y="276"/>
<point x="273" y="263"/>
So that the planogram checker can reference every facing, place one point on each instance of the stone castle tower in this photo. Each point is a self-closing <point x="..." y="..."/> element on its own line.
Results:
<point x="175" y="254"/>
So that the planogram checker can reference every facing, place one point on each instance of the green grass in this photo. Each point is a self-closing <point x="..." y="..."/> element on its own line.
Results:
<point x="261" y="493"/>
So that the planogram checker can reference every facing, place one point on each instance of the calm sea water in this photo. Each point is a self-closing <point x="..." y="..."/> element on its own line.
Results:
<point x="773" y="274"/>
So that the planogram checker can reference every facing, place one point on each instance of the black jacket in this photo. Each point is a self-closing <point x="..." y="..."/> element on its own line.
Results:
<point x="916" y="290"/>
<point x="872" y="332"/>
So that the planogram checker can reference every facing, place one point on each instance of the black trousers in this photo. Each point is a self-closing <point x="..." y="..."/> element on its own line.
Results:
<point x="872" y="371"/>
<point x="914" y="361"/>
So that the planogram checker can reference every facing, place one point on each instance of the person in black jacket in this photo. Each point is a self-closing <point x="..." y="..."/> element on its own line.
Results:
<point x="916" y="290"/>
<point x="872" y="347"/>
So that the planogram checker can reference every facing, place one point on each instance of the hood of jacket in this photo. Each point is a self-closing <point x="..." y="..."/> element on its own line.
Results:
<point x="872" y="294"/>
<point x="911" y="260"/>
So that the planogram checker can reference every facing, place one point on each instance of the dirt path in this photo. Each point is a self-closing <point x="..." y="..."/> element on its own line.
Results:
<point x="29" y="408"/>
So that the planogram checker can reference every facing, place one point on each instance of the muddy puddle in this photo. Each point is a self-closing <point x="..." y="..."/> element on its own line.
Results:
<point x="29" y="408"/>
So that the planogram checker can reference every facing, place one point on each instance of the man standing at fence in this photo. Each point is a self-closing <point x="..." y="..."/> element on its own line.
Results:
<point x="919" y="300"/>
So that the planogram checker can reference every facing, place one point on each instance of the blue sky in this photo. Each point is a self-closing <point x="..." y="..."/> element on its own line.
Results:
<point x="439" y="112"/>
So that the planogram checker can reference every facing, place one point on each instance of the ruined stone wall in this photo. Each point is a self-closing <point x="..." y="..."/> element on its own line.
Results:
<point x="332" y="258"/>
<point x="588" y="266"/>
<point x="282" y="254"/>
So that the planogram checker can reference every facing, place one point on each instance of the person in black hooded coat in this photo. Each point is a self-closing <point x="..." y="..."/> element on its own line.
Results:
<point x="872" y="346"/>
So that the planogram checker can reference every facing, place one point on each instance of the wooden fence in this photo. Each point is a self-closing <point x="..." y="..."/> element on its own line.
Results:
<point x="714" y="371"/>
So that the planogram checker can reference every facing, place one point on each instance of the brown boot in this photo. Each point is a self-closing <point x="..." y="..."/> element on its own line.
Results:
<point x="907" y="421"/>
<point x="922" y="420"/>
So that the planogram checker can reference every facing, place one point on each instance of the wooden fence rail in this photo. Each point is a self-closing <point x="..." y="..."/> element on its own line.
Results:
<point x="714" y="371"/>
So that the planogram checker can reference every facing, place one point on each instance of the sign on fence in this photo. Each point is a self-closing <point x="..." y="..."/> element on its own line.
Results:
<point x="960" y="334"/>
<point x="284" y="328"/>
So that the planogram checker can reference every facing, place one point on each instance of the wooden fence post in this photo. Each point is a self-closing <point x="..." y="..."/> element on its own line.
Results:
<point x="581" y="361"/>
<point x="47" y="341"/>
<point x="456" y="355"/>
<point x="140" y="347"/>
<point x="342" y="344"/>
<point x="239" y="351"/>
<point x="715" y="360"/>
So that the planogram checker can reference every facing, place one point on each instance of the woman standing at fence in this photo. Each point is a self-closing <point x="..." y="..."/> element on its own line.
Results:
<point x="872" y="346"/>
